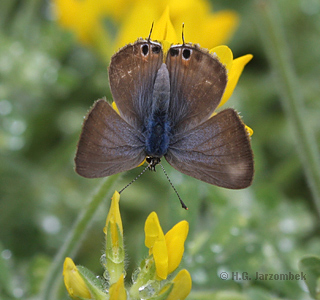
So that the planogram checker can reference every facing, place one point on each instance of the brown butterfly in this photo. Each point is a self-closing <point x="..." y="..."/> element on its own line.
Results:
<point x="165" y="109"/>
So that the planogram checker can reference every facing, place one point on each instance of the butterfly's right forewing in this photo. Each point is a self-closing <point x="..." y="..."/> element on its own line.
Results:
<point x="132" y="74"/>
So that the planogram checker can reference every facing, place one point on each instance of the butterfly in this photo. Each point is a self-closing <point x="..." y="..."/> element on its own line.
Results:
<point x="165" y="107"/>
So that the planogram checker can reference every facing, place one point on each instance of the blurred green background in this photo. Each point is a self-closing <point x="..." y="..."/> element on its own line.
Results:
<point x="48" y="82"/>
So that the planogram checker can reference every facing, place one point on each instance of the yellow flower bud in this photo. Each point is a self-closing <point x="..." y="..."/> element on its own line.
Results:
<point x="114" y="253"/>
<point x="117" y="290"/>
<point x="181" y="286"/>
<point x="114" y="221"/>
<point x="74" y="282"/>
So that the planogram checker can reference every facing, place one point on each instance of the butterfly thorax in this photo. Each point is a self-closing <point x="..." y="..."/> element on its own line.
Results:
<point x="157" y="128"/>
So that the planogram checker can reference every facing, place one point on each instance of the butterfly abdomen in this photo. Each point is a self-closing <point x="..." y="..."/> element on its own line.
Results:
<point x="157" y="135"/>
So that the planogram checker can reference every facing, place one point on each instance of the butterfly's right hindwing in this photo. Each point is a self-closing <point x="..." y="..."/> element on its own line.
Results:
<point x="217" y="152"/>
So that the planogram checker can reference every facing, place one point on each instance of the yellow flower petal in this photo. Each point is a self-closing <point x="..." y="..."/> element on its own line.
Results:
<point x="163" y="30"/>
<point x="215" y="28"/>
<point x="82" y="17"/>
<point x="160" y="255"/>
<point x="115" y="107"/>
<point x="191" y="13"/>
<point x="133" y="19"/>
<point x="249" y="130"/>
<point x="156" y="242"/>
<point x="152" y="230"/>
<point x="201" y="25"/>
<point x="218" y="28"/>
<point x="73" y="281"/>
<point x="224" y="55"/>
<point x="117" y="290"/>
<point x="116" y="10"/>
<point x="181" y="287"/>
<point x="234" y="75"/>
<point x="175" y="239"/>
<point x="137" y="24"/>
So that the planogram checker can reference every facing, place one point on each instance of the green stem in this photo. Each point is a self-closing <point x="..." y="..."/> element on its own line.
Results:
<point x="26" y="19"/>
<point x="273" y="37"/>
<point x="53" y="278"/>
<point x="6" y="8"/>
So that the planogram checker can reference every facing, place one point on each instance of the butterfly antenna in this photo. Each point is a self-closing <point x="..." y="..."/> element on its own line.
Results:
<point x="150" y="32"/>
<point x="182" y="33"/>
<point x="165" y="173"/>
<point x="145" y="169"/>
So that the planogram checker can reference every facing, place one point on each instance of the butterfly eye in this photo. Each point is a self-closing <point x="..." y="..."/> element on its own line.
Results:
<point x="174" y="52"/>
<point x="156" y="49"/>
<point x="145" y="49"/>
<point x="186" y="53"/>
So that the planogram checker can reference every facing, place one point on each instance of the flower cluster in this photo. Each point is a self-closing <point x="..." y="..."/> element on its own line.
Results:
<point x="152" y="280"/>
<point x="108" y="25"/>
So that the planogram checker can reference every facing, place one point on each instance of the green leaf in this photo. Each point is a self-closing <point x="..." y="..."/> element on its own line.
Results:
<point x="164" y="293"/>
<point x="95" y="284"/>
<point x="311" y="267"/>
<point x="5" y="274"/>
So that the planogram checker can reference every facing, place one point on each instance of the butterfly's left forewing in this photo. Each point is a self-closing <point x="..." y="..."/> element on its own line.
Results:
<point x="217" y="152"/>
<point x="107" y="145"/>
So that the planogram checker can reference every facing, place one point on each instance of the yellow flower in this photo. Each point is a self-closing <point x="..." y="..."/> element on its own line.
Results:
<point x="165" y="254"/>
<point x="167" y="250"/>
<point x="74" y="282"/>
<point x="83" y="18"/>
<point x="216" y="28"/>
<point x="117" y="290"/>
<point x="127" y="20"/>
